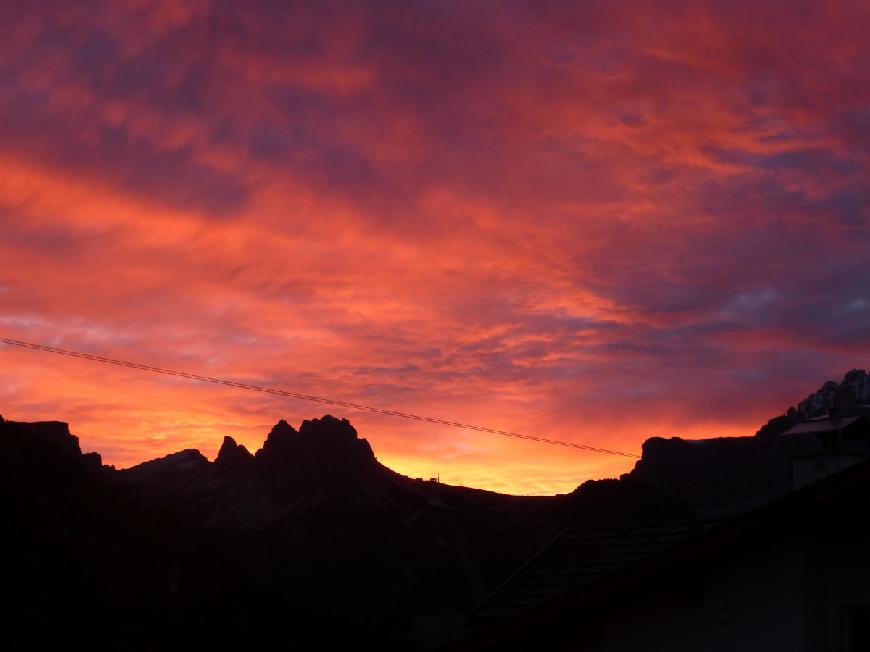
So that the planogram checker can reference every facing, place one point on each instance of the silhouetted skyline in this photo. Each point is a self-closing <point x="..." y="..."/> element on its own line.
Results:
<point x="182" y="552"/>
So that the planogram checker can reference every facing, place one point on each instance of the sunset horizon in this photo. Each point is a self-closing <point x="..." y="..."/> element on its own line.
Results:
<point x="504" y="476"/>
<point x="583" y="222"/>
<point x="435" y="325"/>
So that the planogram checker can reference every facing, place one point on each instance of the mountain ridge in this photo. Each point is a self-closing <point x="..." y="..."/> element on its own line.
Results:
<point x="849" y="396"/>
<point x="204" y="552"/>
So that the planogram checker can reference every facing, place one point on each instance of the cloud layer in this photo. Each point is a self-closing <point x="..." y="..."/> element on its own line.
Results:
<point x="586" y="221"/>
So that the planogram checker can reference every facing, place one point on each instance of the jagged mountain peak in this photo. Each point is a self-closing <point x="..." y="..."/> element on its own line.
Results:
<point x="324" y="453"/>
<point x="232" y="455"/>
<point x="850" y="396"/>
<point x="852" y="392"/>
<point x="328" y="427"/>
<point x="184" y="462"/>
<point x="280" y="439"/>
<point x="281" y="429"/>
<point x="317" y="439"/>
<point x="857" y="384"/>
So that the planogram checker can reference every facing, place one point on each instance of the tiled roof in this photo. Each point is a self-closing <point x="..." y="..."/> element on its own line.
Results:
<point x="575" y="557"/>
<point x="835" y="505"/>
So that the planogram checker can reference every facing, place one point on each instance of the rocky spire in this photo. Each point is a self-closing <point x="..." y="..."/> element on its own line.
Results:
<point x="232" y="456"/>
<point x="851" y="396"/>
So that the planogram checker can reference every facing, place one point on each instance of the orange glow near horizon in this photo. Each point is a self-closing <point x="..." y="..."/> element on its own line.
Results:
<point x="588" y="223"/>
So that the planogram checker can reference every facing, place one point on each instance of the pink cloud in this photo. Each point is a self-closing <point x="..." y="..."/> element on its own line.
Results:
<point x="593" y="223"/>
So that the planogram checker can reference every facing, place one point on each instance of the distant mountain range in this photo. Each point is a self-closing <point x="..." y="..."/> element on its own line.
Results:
<point x="724" y="476"/>
<point x="851" y="396"/>
<point x="310" y="540"/>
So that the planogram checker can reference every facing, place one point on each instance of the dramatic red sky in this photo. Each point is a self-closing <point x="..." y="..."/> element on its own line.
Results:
<point x="587" y="221"/>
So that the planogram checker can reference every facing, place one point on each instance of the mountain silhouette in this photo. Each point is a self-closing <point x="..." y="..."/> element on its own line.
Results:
<point x="849" y="396"/>
<point x="310" y="519"/>
<point x="310" y="540"/>
<point x="725" y="476"/>
<point x="233" y="457"/>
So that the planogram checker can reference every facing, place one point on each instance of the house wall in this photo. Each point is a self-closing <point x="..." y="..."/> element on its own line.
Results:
<point x="795" y="598"/>
<point x="838" y="580"/>
<point x="749" y="604"/>
<point x="810" y="470"/>
<point x="789" y="579"/>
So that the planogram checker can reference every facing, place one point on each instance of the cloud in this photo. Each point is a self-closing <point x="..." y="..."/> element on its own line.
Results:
<point x="592" y="222"/>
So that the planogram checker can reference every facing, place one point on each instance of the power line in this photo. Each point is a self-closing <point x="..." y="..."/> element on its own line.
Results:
<point x="306" y="397"/>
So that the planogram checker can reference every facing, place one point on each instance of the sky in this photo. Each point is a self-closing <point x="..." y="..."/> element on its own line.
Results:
<point x="587" y="221"/>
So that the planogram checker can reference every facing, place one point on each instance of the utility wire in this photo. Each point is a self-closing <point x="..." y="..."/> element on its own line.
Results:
<point x="305" y="397"/>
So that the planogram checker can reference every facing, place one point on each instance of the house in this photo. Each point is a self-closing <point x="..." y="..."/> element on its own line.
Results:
<point x="791" y="575"/>
<point x="577" y="556"/>
<point x="826" y="445"/>
<point x="723" y="477"/>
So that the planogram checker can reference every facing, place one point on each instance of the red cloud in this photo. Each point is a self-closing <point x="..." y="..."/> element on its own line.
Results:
<point x="587" y="223"/>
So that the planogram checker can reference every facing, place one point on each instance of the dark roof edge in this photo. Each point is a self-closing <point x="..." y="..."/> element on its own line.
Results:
<point x="691" y="552"/>
<point x="519" y="570"/>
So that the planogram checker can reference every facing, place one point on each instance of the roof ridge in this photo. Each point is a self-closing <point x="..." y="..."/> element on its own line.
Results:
<point x="519" y="570"/>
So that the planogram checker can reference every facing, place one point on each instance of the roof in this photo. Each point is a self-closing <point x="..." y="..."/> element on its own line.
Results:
<point x="818" y="426"/>
<point x="575" y="557"/>
<point x="841" y="499"/>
